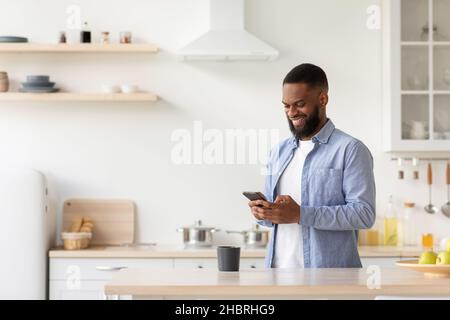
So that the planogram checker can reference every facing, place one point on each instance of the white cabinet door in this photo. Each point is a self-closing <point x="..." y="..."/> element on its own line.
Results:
<point x="85" y="278"/>
<point x="183" y="263"/>
<point x="252" y="263"/>
<point x="99" y="269"/>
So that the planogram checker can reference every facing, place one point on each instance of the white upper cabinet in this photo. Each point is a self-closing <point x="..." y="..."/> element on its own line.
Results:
<point x="416" y="75"/>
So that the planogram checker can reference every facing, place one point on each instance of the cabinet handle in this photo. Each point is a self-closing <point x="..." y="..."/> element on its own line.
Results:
<point x="106" y="268"/>
<point x="200" y="267"/>
<point x="253" y="266"/>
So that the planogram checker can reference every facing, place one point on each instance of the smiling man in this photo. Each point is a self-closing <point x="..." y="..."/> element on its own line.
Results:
<point x="320" y="185"/>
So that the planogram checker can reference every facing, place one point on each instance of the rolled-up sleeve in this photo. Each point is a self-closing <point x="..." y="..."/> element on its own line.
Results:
<point x="358" y="186"/>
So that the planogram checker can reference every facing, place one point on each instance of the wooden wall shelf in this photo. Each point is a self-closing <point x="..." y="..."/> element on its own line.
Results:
<point x="78" y="97"/>
<point x="78" y="48"/>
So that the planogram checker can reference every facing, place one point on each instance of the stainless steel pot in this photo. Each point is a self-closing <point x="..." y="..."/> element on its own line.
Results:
<point x="255" y="237"/>
<point x="198" y="235"/>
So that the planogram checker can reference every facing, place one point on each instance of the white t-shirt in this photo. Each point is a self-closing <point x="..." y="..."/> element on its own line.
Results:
<point x="289" y="240"/>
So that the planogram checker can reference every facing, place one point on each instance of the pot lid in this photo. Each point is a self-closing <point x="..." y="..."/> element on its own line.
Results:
<point x="257" y="228"/>
<point x="199" y="226"/>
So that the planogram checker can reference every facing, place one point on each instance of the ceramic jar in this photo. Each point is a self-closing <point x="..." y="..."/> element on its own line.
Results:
<point x="4" y="82"/>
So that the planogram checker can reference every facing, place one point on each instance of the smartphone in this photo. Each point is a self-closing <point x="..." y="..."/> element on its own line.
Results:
<point x="254" y="196"/>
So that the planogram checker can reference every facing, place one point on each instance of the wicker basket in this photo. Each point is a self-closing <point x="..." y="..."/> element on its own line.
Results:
<point x="76" y="240"/>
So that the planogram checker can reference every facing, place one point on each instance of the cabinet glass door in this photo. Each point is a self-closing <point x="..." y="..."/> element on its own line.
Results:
<point x="415" y="71"/>
<point x="425" y="70"/>
<point x="441" y="69"/>
<point x="441" y="114"/>
<point x="441" y="20"/>
<point x="415" y="117"/>
<point x="414" y="20"/>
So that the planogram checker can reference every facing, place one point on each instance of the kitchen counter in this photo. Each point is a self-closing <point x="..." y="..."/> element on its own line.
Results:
<point x="272" y="284"/>
<point x="157" y="251"/>
<point x="173" y="251"/>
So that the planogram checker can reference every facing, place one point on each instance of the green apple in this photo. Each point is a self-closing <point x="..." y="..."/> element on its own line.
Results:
<point x="443" y="258"/>
<point x="428" y="257"/>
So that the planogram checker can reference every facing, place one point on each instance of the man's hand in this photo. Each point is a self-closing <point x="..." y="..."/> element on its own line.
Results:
<point x="259" y="204"/>
<point x="283" y="210"/>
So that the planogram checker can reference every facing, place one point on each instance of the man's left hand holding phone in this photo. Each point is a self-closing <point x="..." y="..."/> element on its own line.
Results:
<point x="257" y="201"/>
<point x="283" y="210"/>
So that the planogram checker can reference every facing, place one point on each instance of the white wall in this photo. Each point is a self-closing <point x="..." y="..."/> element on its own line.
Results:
<point x="123" y="150"/>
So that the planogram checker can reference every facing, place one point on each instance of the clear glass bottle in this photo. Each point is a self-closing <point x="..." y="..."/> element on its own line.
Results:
<point x="390" y="225"/>
<point x="409" y="230"/>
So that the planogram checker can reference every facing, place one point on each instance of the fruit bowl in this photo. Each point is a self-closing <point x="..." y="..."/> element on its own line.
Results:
<point x="430" y="270"/>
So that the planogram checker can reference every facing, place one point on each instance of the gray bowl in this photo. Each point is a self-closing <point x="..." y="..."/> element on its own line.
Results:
<point x="38" y="78"/>
<point x="39" y="84"/>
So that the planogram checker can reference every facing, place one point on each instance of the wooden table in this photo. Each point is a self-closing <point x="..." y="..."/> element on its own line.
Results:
<point x="274" y="284"/>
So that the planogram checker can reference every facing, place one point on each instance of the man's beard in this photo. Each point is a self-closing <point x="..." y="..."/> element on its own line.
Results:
<point x="311" y="124"/>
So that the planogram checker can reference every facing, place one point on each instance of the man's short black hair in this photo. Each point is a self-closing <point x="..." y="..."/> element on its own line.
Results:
<point x="308" y="73"/>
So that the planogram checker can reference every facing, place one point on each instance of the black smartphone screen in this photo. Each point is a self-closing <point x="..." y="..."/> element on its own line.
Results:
<point x="254" y="196"/>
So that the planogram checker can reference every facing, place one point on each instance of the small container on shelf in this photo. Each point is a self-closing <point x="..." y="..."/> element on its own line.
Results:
<point x="4" y="81"/>
<point x="85" y="34"/>
<point x="129" y="88"/>
<point x="125" y="37"/>
<point x="76" y="240"/>
<point x="373" y="237"/>
<point x="427" y="241"/>
<point x="62" y="37"/>
<point x="104" y="37"/>
<point x="369" y="237"/>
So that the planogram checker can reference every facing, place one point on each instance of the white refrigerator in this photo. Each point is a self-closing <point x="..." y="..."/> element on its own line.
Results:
<point x="26" y="232"/>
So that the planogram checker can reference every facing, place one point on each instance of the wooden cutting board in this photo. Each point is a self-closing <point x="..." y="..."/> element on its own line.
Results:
<point x="113" y="219"/>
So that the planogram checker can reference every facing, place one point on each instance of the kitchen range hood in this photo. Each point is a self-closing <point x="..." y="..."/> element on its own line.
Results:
<point x="227" y="39"/>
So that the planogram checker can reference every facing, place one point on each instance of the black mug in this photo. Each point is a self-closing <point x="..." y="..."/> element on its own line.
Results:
<point x="228" y="258"/>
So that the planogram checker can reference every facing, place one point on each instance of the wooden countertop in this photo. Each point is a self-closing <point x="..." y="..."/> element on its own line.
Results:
<point x="157" y="251"/>
<point x="273" y="283"/>
<point x="173" y="251"/>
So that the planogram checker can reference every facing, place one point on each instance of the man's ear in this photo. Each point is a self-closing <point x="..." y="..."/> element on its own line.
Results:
<point x="323" y="99"/>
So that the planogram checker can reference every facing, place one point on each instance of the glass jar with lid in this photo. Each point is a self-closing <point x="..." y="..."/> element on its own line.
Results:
<point x="408" y="226"/>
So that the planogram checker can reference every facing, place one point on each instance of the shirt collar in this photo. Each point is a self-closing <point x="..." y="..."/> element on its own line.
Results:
<point x="321" y="137"/>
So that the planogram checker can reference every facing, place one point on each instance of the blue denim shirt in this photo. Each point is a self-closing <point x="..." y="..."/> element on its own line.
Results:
<point x="337" y="197"/>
